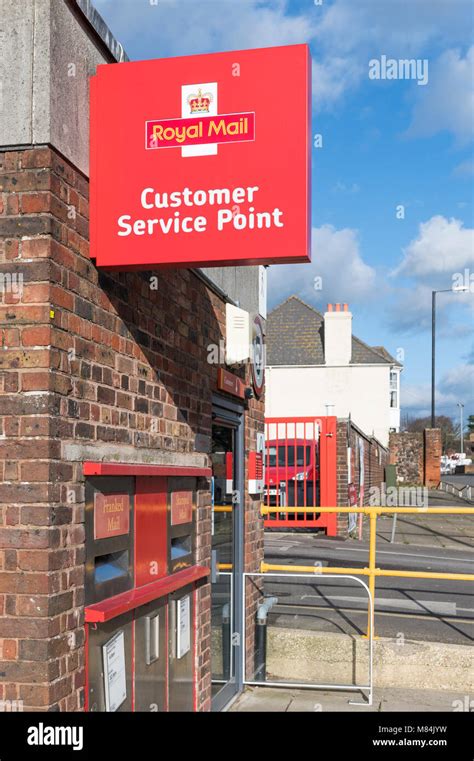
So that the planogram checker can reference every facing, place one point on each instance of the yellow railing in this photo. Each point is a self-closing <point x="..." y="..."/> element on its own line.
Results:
<point x="371" y="570"/>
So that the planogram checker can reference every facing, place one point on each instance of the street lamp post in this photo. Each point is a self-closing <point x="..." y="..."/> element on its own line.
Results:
<point x="454" y="289"/>
<point x="461" y="407"/>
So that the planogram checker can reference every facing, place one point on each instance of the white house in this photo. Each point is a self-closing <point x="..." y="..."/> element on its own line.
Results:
<point x="315" y="366"/>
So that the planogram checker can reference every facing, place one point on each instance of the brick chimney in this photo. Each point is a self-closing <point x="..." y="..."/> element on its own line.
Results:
<point x="337" y="335"/>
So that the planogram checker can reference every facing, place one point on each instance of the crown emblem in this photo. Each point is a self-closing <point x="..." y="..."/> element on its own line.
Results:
<point x="200" y="103"/>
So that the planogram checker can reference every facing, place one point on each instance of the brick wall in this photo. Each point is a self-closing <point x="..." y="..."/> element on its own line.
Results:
<point x="375" y="458"/>
<point x="417" y="456"/>
<point x="406" y="452"/>
<point x="94" y="366"/>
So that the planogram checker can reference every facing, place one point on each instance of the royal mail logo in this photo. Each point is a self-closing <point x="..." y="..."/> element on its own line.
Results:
<point x="201" y="128"/>
<point x="200" y="103"/>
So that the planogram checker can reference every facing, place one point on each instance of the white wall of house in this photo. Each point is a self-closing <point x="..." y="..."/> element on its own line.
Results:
<point x="395" y="398"/>
<point x="363" y="391"/>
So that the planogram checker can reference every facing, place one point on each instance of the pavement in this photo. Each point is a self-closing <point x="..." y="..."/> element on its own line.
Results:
<point x="447" y="531"/>
<point x="460" y="480"/>
<point x="282" y="699"/>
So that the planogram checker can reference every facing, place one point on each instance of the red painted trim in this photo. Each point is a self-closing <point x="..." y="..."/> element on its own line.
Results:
<point x="126" y="601"/>
<point x="86" y="667"/>
<point x="91" y="468"/>
<point x="298" y="419"/>
<point x="134" y="581"/>
<point x="195" y="623"/>
<point x="167" y="660"/>
<point x="133" y="664"/>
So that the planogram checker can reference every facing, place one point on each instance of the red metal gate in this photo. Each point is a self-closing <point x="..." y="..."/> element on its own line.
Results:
<point x="300" y="471"/>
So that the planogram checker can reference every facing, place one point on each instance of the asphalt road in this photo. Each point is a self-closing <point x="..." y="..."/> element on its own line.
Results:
<point x="421" y="609"/>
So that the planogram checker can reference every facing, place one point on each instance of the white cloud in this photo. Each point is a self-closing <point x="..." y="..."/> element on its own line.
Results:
<point x="186" y="27"/>
<point x="447" y="102"/>
<point x="336" y="259"/>
<point x="464" y="169"/>
<point x="349" y="34"/>
<point x="332" y="77"/>
<point x="410" y="312"/>
<point x="442" y="247"/>
<point x="458" y="382"/>
<point x="349" y="25"/>
<point x="346" y="34"/>
<point x="455" y="386"/>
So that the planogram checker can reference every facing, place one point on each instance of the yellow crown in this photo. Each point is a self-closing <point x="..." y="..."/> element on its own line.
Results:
<point x="200" y="103"/>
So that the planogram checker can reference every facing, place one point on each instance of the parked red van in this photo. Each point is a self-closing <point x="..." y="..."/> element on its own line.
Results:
<point x="292" y="473"/>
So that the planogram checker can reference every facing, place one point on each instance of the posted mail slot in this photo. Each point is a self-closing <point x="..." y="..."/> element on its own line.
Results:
<point x="181" y="523"/>
<point x="109" y="536"/>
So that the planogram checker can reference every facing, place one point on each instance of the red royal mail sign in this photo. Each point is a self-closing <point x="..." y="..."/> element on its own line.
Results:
<point x="202" y="160"/>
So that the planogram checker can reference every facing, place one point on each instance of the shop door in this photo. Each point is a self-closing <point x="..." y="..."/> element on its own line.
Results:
<point x="227" y="535"/>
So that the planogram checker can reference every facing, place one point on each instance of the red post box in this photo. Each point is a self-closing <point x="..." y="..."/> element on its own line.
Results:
<point x="141" y="579"/>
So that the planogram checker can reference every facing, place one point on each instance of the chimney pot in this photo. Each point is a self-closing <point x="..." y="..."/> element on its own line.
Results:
<point x="346" y="308"/>
<point x="329" y="307"/>
<point x="338" y="307"/>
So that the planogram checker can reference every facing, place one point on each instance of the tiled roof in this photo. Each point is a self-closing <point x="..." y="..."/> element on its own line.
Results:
<point x="295" y="336"/>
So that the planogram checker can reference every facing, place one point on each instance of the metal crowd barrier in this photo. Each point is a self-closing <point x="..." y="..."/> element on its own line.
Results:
<point x="306" y="685"/>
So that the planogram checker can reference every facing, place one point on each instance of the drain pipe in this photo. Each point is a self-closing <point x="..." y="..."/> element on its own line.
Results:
<point x="261" y="638"/>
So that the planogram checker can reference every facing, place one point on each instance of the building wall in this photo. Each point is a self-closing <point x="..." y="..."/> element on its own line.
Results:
<point x="359" y="391"/>
<point x="47" y="90"/>
<point x="417" y="456"/>
<point x="375" y="458"/>
<point x="94" y="366"/>
<point x="406" y="452"/>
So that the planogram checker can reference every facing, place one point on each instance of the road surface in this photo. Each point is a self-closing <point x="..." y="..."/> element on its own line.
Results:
<point x="422" y="609"/>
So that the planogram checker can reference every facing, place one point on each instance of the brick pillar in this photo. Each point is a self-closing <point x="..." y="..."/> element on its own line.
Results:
<point x="41" y="532"/>
<point x="342" y="472"/>
<point x="432" y="456"/>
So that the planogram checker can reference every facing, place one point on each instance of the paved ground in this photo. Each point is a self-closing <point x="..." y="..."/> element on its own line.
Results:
<point x="281" y="699"/>
<point x="447" y="531"/>
<point x="421" y="609"/>
<point x="466" y="479"/>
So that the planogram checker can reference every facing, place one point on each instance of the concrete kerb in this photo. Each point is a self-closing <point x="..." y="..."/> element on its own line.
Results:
<point x="295" y="655"/>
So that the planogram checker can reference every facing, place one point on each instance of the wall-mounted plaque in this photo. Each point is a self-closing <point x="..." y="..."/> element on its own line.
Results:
<point x="111" y="515"/>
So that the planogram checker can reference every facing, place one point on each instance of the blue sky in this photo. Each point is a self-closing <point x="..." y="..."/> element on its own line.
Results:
<point x="385" y="144"/>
